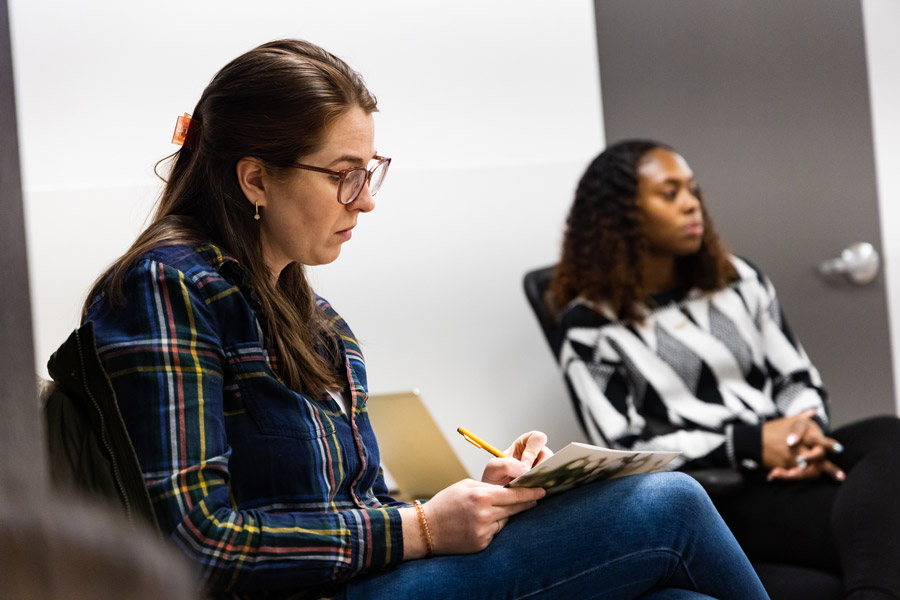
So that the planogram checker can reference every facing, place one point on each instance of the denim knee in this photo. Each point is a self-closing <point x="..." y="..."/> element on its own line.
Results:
<point x="674" y="496"/>
<point x="675" y="485"/>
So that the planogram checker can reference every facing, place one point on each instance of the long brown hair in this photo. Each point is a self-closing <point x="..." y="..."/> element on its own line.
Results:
<point x="604" y="241"/>
<point x="273" y="103"/>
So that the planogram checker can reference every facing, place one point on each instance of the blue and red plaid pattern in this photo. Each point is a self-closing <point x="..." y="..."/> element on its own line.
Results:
<point x="268" y="491"/>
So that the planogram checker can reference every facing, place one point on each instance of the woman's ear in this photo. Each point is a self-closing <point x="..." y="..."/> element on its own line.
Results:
<point x="252" y="177"/>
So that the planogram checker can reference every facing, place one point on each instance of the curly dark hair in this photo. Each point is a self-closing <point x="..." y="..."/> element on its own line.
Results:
<point x="604" y="240"/>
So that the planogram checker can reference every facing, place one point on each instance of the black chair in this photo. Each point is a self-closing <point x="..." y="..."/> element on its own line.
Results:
<point x="782" y="582"/>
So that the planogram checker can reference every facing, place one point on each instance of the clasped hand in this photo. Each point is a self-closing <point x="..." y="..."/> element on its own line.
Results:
<point x="795" y="448"/>
<point x="466" y="516"/>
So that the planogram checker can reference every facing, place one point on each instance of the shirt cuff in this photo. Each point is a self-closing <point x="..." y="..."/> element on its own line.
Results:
<point x="378" y="532"/>
<point x="745" y="446"/>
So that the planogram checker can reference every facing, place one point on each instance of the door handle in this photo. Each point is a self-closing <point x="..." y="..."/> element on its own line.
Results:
<point x="858" y="262"/>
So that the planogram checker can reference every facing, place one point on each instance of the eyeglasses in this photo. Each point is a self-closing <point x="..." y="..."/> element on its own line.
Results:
<point x="351" y="181"/>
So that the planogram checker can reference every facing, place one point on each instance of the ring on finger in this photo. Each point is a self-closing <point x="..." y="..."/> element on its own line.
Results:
<point x="499" y="527"/>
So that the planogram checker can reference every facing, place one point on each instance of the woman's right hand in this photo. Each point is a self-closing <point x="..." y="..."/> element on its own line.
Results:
<point x="777" y="451"/>
<point x="465" y="517"/>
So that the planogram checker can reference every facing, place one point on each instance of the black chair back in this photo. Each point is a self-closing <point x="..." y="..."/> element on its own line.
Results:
<point x="536" y="284"/>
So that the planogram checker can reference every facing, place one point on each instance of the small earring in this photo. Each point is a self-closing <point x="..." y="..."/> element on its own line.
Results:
<point x="256" y="216"/>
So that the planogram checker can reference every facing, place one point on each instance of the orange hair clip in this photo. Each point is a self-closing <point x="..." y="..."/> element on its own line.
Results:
<point x="187" y="132"/>
<point x="181" y="129"/>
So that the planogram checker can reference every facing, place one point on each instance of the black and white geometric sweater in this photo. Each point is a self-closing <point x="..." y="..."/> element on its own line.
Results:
<point x="700" y="375"/>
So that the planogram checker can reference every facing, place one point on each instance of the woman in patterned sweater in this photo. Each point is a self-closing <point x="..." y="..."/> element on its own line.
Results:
<point x="671" y="343"/>
<point x="244" y="393"/>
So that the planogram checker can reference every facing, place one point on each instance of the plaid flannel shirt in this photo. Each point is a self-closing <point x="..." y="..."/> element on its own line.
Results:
<point x="268" y="491"/>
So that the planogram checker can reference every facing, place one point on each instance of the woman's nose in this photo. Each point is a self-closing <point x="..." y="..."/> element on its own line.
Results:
<point x="364" y="202"/>
<point x="689" y="202"/>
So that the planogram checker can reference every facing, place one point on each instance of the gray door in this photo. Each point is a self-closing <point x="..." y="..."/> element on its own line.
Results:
<point x="768" y="101"/>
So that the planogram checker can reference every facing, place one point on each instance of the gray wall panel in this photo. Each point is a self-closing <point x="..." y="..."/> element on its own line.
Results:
<point x="22" y="462"/>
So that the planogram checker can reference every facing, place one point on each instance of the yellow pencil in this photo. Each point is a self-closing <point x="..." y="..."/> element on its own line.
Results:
<point x="474" y="439"/>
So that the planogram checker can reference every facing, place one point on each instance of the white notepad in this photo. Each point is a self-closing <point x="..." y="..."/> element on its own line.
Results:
<point x="578" y="464"/>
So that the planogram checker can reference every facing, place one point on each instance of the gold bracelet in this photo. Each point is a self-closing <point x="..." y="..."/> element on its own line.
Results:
<point x="426" y="532"/>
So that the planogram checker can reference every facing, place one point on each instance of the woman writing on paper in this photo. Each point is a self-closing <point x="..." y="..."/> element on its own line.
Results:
<point x="671" y="343"/>
<point x="244" y="393"/>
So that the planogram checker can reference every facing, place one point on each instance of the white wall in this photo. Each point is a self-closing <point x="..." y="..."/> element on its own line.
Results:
<point x="881" y="18"/>
<point x="490" y="111"/>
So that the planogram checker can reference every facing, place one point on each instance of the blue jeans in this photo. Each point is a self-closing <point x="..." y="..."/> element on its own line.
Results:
<point x="643" y="536"/>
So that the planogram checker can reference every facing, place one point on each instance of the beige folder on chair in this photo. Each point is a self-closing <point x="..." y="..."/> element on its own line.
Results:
<point x="414" y="451"/>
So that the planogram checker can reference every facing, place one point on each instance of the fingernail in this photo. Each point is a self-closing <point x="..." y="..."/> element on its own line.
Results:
<point x="840" y="475"/>
<point x="791" y="439"/>
<point x="801" y="462"/>
<point x="837" y="447"/>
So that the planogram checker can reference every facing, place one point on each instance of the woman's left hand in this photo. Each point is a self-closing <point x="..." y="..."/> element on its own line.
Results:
<point x="809" y="470"/>
<point x="528" y="450"/>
